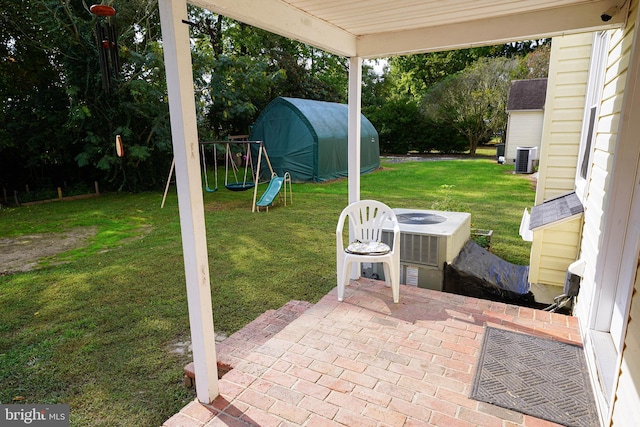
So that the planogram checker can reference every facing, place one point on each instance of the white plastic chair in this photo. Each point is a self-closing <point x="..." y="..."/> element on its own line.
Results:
<point x="366" y="219"/>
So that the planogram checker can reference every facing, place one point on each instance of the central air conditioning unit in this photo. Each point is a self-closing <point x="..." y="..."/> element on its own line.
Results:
<point x="525" y="158"/>
<point x="428" y="239"/>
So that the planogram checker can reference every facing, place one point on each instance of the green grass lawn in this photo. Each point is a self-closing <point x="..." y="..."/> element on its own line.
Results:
<point x="96" y="330"/>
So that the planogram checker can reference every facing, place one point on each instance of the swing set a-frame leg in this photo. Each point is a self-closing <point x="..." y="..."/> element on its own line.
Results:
<point x="166" y="188"/>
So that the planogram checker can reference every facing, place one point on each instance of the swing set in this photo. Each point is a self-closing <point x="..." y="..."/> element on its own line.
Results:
<point x="241" y="181"/>
<point x="234" y="178"/>
<point x="204" y="168"/>
<point x="231" y="163"/>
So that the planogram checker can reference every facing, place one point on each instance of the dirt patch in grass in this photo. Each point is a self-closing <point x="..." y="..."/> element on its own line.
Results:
<point x="23" y="253"/>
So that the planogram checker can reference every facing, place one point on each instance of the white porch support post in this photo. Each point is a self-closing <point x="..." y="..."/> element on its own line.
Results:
<point x="184" y="133"/>
<point x="355" y="101"/>
<point x="353" y="140"/>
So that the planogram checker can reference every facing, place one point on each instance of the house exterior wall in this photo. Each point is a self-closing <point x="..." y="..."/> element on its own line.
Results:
<point x="524" y="129"/>
<point x="609" y="243"/>
<point x="564" y="112"/>
<point x="626" y="406"/>
<point x="555" y="247"/>
<point x="602" y="158"/>
<point x="603" y="243"/>
<point x="627" y="395"/>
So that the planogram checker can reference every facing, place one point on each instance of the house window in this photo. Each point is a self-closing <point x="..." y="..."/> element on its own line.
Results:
<point x="592" y="102"/>
<point x="584" y="167"/>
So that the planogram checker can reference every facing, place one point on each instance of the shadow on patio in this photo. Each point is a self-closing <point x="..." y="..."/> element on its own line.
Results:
<point x="369" y="362"/>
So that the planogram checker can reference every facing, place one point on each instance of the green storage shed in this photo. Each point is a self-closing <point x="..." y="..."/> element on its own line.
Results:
<point x="308" y="139"/>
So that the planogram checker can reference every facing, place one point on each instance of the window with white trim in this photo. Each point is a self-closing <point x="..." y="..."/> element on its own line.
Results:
<point x="594" y="94"/>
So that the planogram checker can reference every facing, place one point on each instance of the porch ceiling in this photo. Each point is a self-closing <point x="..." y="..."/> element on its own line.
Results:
<point x="383" y="28"/>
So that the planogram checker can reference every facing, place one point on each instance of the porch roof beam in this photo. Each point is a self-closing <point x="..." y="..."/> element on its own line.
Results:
<point x="286" y="20"/>
<point x="489" y="31"/>
<point x="280" y="18"/>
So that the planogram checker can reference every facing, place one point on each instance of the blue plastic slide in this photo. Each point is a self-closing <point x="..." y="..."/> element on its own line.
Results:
<point x="272" y="191"/>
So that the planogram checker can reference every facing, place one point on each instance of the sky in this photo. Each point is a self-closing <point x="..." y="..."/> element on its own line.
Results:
<point x="378" y="64"/>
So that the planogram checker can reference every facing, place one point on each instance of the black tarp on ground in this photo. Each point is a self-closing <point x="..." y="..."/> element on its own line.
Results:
<point x="478" y="273"/>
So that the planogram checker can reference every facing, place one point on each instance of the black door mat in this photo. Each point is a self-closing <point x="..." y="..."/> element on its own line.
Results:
<point x="535" y="376"/>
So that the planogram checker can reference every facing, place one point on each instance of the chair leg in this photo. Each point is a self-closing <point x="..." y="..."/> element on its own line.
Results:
<point x="339" y="268"/>
<point x="387" y="273"/>
<point x="392" y="277"/>
<point x="343" y="279"/>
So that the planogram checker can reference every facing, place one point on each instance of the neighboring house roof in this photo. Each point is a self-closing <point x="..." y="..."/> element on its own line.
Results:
<point x="527" y="94"/>
<point x="552" y="211"/>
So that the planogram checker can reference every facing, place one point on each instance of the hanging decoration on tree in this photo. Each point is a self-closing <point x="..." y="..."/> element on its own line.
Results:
<point x="107" y="43"/>
<point x="119" y="146"/>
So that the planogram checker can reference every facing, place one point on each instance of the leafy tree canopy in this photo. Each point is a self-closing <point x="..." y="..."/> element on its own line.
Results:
<point x="59" y="123"/>
<point x="474" y="100"/>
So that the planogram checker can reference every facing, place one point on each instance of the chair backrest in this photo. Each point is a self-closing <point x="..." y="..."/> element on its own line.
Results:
<point x="366" y="219"/>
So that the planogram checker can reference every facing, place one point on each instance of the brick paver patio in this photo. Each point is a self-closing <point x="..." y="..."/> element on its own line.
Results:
<point x="369" y="362"/>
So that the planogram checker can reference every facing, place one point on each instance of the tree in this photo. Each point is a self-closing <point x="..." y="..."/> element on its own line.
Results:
<point x="33" y="103"/>
<point x="135" y="107"/>
<point x="399" y="124"/>
<point x="240" y="69"/>
<point x="238" y="90"/>
<point x="59" y="123"/>
<point x="474" y="100"/>
<point x="58" y="119"/>
<point x="309" y="72"/>
<point x="72" y="122"/>
<point x="519" y="48"/>
<point x="415" y="74"/>
<point x="376" y="88"/>
<point x="537" y="62"/>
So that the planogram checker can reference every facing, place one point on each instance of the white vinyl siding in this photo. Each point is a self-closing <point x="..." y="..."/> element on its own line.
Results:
<point x="591" y="111"/>
<point x="602" y="158"/>
<point x="606" y="246"/>
<point x="558" y="247"/>
<point x="524" y="130"/>
<point x="564" y="109"/>
<point x="555" y="247"/>
<point x="626" y="410"/>
<point x="626" y="406"/>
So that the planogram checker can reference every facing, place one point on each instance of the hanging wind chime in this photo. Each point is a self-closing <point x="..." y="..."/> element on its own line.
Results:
<point x="107" y="43"/>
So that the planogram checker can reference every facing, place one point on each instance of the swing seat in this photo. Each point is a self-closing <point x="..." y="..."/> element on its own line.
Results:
<point x="204" y="168"/>
<point x="240" y="186"/>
